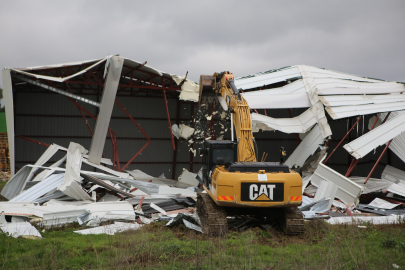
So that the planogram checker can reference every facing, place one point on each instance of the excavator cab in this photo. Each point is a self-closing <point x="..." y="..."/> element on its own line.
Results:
<point x="216" y="153"/>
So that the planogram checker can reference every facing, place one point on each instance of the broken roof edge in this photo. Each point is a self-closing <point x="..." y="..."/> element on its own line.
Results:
<point x="58" y="79"/>
<point x="296" y="66"/>
<point x="96" y="62"/>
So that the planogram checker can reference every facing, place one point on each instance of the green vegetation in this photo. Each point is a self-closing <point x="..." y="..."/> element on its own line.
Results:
<point x="3" y="123"/>
<point x="156" y="247"/>
<point x="2" y="184"/>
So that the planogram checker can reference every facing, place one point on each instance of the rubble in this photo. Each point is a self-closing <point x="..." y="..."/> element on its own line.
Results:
<point x="63" y="193"/>
<point x="61" y="196"/>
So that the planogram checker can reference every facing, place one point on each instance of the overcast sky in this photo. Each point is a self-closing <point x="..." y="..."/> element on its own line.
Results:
<point x="360" y="37"/>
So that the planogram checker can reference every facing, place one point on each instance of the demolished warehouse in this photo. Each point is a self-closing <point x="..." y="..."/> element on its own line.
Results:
<point x="116" y="185"/>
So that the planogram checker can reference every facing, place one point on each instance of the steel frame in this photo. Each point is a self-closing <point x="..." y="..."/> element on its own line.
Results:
<point x="93" y="78"/>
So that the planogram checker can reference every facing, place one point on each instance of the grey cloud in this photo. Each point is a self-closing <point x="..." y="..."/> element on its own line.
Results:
<point x="359" y="37"/>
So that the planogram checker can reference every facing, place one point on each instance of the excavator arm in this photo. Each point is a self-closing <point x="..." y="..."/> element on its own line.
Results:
<point x="224" y="86"/>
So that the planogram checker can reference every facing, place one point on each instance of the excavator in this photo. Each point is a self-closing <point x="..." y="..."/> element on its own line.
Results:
<point x="235" y="183"/>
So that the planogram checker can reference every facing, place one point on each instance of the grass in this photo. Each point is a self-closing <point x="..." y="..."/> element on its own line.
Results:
<point x="155" y="246"/>
<point x="2" y="184"/>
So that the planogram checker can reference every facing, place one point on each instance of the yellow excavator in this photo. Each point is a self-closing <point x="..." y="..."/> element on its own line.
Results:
<point x="235" y="183"/>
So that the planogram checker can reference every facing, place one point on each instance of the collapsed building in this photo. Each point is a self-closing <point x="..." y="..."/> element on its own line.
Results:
<point x="125" y="130"/>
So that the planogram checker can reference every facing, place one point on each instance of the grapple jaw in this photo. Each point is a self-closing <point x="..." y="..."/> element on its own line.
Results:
<point x="207" y="92"/>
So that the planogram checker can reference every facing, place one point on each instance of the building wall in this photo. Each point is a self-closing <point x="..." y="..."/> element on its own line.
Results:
<point x="51" y="118"/>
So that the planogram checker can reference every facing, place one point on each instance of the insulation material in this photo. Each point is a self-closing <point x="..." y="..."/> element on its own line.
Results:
<point x="380" y="203"/>
<point x="306" y="148"/>
<point x="111" y="229"/>
<point x="376" y="137"/>
<point x="348" y="191"/>
<point x="182" y="131"/>
<point x="71" y="182"/>
<point x="189" y="90"/>
<point x="298" y="124"/>
<point x="17" y="229"/>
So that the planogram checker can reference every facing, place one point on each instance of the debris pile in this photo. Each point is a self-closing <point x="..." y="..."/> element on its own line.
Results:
<point x="330" y="195"/>
<point x="326" y="192"/>
<point x="58" y="195"/>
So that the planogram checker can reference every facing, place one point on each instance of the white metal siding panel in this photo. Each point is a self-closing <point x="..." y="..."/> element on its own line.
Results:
<point x="347" y="100"/>
<point x="306" y="148"/>
<point x="393" y="174"/>
<point x="299" y="124"/>
<point x="265" y="79"/>
<point x="348" y="111"/>
<point x="43" y="187"/>
<point x="278" y="101"/>
<point x="348" y="191"/>
<point x="378" y="136"/>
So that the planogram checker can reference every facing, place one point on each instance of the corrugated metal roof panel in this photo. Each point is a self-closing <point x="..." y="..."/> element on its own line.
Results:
<point x="378" y="136"/>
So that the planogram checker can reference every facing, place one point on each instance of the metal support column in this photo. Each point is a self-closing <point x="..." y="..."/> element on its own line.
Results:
<point x="176" y="140"/>
<point x="333" y="151"/>
<point x="8" y="98"/>
<point x="167" y="113"/>
<point x="106" y="107"/>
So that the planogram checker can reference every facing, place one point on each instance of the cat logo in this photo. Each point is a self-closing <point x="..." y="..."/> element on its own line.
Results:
<point x="262" y="192"/>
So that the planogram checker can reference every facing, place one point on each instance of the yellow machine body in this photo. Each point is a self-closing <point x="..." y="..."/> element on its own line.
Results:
<point x="226" y="188"/>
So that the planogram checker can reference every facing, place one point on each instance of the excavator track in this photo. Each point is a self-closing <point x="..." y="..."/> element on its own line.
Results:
<point x="293" y="223"/>
<point x="213" y="217"/>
